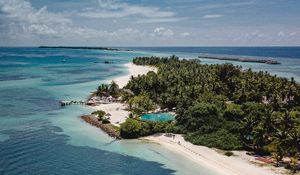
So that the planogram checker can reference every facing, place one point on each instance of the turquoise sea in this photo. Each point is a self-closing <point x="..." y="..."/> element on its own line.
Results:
<point x="38" y="137"/>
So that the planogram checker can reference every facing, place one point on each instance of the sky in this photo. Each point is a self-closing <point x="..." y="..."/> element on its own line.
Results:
<point x="150" y="22"/>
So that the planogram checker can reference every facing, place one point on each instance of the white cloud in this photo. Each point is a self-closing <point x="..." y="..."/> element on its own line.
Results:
<point x="23" y="22"/>
<point x="185" y="34"/>
<point x="225" y="5"/>
<point x="257" y="34"/>
<point x="281" y="34"/>
<point x="252" y="36"/>
<point x="163" y="32"/>
<point x="23" y="11"/>
<point x="159" y="20"/>
<point x="212" y="16"/>
<point x="116" y="9"/>
<point x="19" y="16"/>
<point x="286" y="34"/>
<point x="158" y="29"/>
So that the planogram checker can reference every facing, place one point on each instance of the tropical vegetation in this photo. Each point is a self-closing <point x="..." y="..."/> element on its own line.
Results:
<point x="134" y="128"/>
<point x="106" y="90"/>
<point x="221" y="106"/>
<point x="102" y="116"/>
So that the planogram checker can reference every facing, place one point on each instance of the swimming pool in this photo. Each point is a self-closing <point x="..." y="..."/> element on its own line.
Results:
<point x="158" y="117"/>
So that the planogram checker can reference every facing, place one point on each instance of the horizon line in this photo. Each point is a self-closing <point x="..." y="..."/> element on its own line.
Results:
<point x="140" y="46"/>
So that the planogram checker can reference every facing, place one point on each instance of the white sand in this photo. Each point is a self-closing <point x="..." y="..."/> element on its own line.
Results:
<point x="118" y="110"/>
<point x="239" y="164"/>
<point x="134" y="70"/>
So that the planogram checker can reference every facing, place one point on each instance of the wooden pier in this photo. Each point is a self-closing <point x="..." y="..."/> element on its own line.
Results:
<point x="72" y="102"/>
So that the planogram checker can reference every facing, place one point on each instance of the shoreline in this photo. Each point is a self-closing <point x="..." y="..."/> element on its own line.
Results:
<point x="239" y="164"/>
<point x="107" y="128"/>
<point x="117" y="110"/>
<point x="82" y="47"/>
<point x="134" y="70"/>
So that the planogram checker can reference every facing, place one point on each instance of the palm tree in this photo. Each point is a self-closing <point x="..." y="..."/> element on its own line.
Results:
<point x="113" y="88"/>
<point x="102" y="90"/>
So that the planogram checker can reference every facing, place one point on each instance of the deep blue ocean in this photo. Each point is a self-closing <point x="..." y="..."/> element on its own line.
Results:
<point x="38" y="137"/>
<point x="272" y="52"/>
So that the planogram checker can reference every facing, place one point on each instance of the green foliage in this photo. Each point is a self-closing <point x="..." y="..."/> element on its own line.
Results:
<point x="257" y="124"/>
<point x="113" y="89"/>
<point x="131" y="128"/>
<point x="208" y="97"/>
<point x="130" y="115"/>
<point x="141" y="103"/>
<point x="233" y="112"/>
<point x="221" y="139"/>
<point x="229" y="153"/>
<point x="223" y="106"/>
<point x="116" y="128"/>
<point x="106" y="90"/>
<point x="201" y="117"/>
<point x="134" y="128"/>
<point x="103" y="90"/>
<point x="100" y="114"/>
<point x="154" y="61"/>
<point x="105" y="121"/>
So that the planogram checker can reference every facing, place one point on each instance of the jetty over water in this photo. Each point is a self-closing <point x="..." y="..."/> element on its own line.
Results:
<point x="72" y="102"/>
<point x="239" y="59"/>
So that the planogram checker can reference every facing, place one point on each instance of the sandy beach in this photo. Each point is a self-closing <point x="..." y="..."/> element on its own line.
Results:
<point x="134" y="70"/>
<point x="118" y="110"/>
<point x="239" y="164"/>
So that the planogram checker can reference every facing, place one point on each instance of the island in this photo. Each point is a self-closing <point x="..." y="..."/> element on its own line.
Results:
<point x="225" y="117"/>
<point x="244" y="59"/>
<point x="85" y="48"/>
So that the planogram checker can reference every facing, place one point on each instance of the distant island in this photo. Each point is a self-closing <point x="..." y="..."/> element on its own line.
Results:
<point x="230" y="58"/>
<point x="79" y="47"/>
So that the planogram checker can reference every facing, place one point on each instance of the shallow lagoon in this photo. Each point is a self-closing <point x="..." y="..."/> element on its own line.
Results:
<point x="37" y="136"/>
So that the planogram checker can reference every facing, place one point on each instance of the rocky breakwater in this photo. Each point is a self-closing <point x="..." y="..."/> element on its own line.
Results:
<point x="108" y="128"/>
